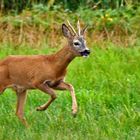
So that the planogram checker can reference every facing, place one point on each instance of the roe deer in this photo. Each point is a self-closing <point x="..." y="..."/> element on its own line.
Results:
<point x="43" y="72"/>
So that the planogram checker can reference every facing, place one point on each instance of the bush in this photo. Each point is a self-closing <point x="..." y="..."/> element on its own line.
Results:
<point x="42" y="24"/>
<point x="18" y="5"/>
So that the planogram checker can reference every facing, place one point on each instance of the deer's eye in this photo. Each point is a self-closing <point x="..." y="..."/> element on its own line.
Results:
<point x="76" y="43"/>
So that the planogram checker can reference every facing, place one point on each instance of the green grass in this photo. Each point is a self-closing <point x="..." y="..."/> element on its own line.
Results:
<point x="107" y="86"/>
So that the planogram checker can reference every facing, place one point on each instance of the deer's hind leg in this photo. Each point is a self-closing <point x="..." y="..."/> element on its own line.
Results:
<point x="2" y="88"/>
<point x="21" y="99"/>
<point x="4" y="84"/>
<point x="4" y="81"/>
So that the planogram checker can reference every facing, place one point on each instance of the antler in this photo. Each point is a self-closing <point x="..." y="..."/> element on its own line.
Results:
<point x="83" y="30"/>
<point x="80" y="32"/>
<point x="78" y="26"/>
<point x="72" y="28"/>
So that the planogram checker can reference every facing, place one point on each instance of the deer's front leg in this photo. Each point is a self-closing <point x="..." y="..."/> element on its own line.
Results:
<point x="66" y="86"/>
<point x="46" y="89"/>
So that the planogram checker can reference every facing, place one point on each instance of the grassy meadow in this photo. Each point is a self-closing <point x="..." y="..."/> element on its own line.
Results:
<point x="108" y="94"/>
<point x="107" y="83"/>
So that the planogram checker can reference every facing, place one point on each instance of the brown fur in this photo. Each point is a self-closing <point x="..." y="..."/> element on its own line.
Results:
<point x="28" y="71"/>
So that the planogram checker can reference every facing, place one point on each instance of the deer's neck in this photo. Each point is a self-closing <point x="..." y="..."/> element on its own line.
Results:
<point x="63" y="58"/>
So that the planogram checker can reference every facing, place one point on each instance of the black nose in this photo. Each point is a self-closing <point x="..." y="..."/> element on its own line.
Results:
<point x="87" y="51"/>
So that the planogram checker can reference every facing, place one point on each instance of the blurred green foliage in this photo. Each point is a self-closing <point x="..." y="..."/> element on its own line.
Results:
<point x="72" y="5"/>
<point x="113" y="20"/>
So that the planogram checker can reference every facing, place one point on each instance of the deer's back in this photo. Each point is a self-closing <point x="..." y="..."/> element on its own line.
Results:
<point x="24" y="70"/>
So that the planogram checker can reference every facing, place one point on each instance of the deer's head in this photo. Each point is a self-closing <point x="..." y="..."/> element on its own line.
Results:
<point x="76" y="40"/>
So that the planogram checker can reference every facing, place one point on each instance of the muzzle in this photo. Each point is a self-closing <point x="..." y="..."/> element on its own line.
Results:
<point x="85" y="52"/>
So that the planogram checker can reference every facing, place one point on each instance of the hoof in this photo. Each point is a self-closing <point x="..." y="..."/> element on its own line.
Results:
<point x="40" y="108"/>
<point x="74" y="114"/>
<point x="24" y="122"/>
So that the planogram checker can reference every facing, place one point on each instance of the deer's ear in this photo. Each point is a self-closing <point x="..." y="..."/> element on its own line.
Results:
<point x="66" y="32"/>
